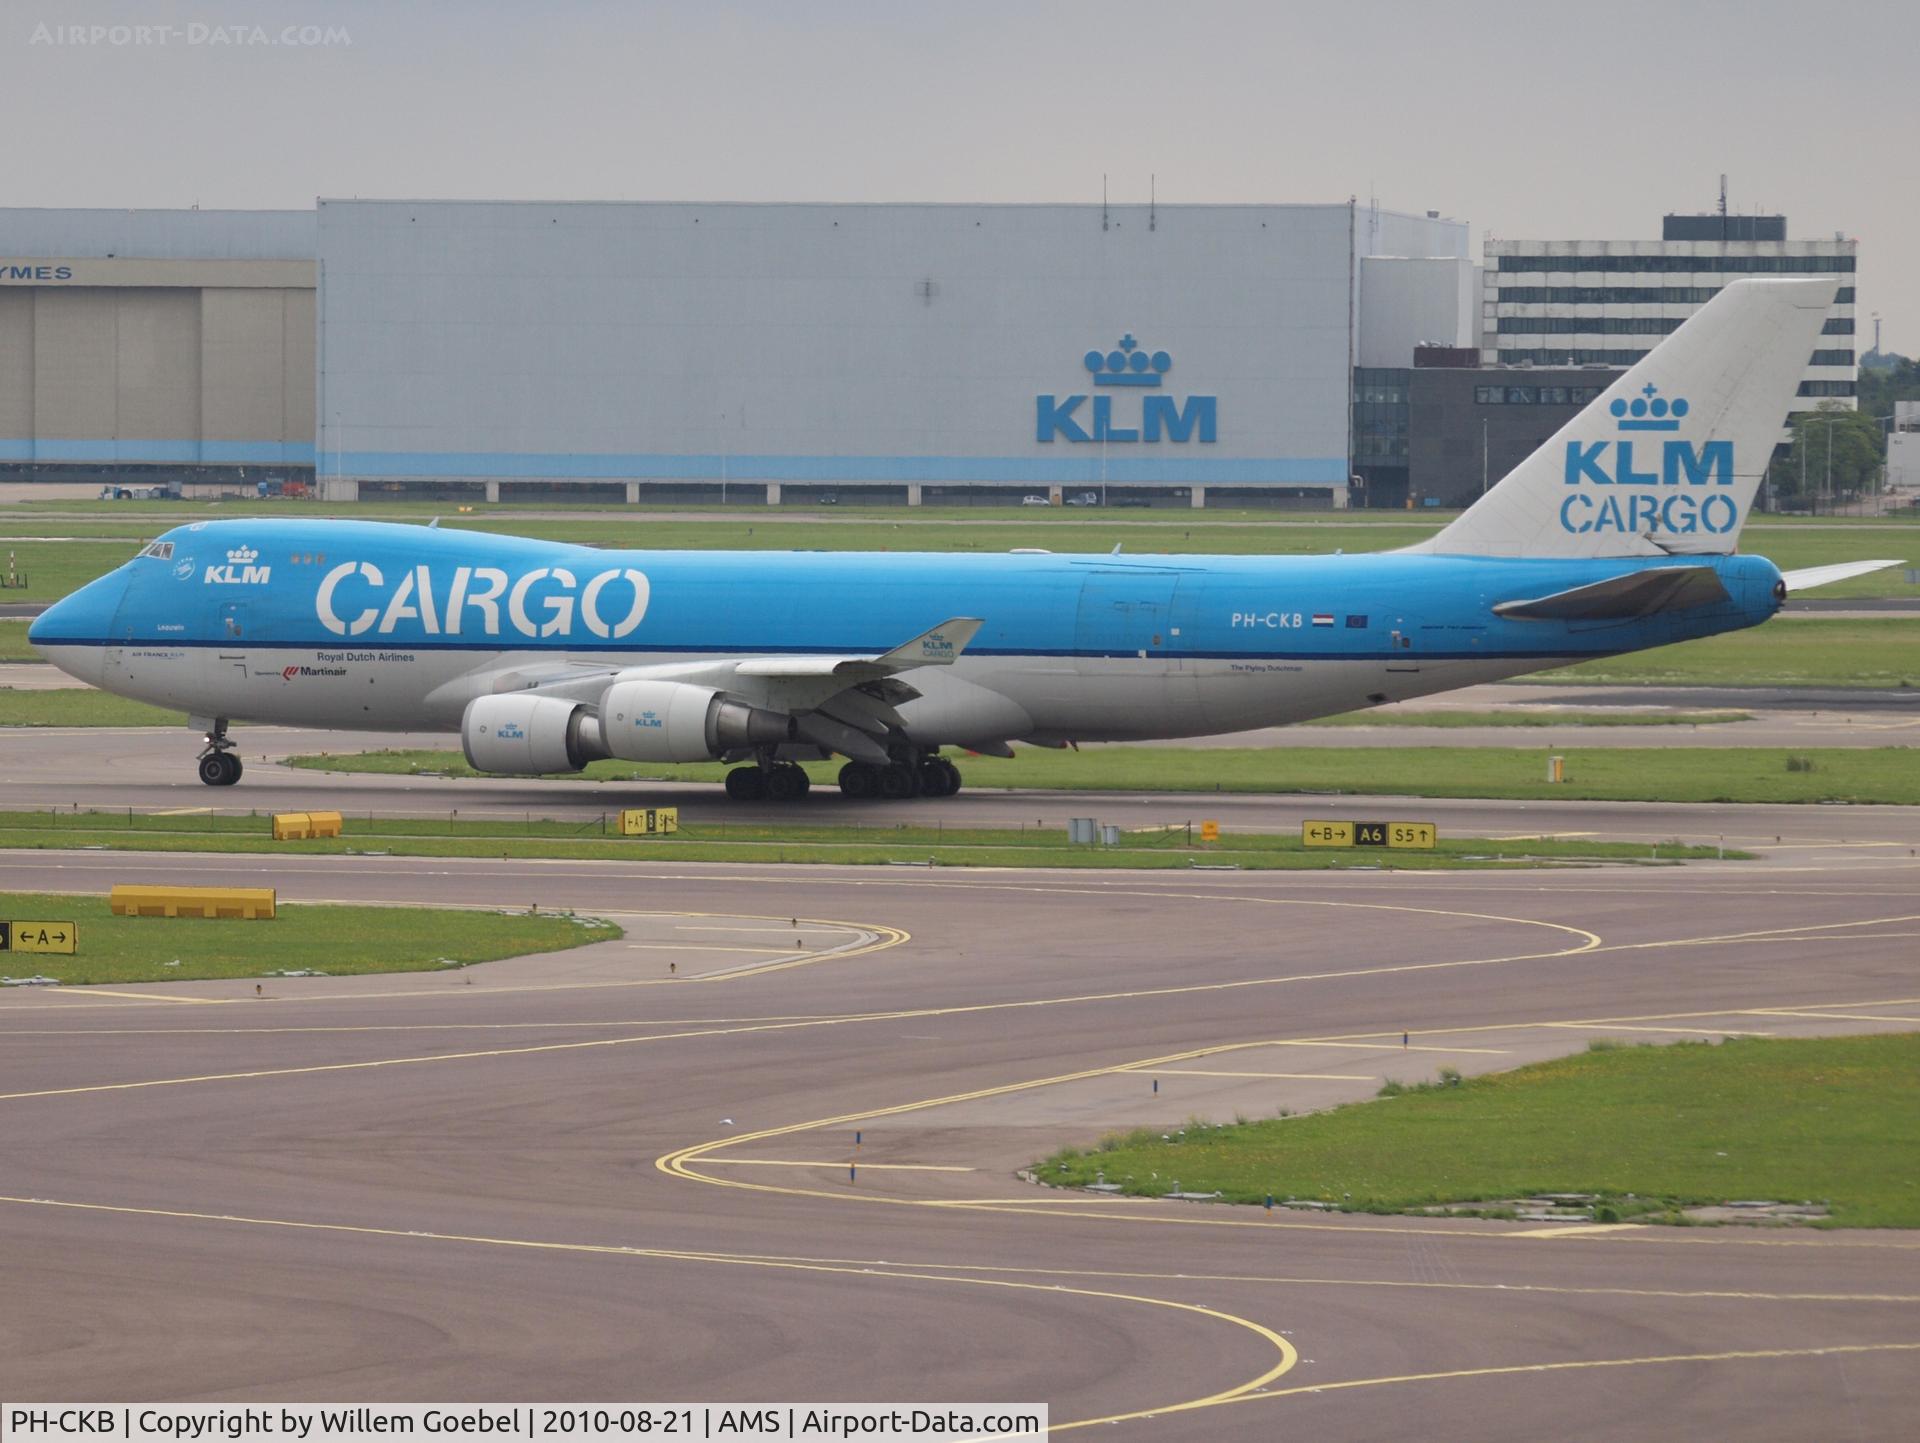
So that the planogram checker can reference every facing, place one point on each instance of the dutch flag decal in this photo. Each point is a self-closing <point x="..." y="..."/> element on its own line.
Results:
<point x="1323" y="618"/>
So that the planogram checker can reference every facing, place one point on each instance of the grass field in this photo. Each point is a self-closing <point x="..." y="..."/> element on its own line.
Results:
<point x="13" y="641"/>
<point x="870" y="845"/>
<point x="79" y="707"/>
<point x="83" y="706"/>
<point x="1697" y="774"/>
<point x="1787" y="651"/>
<point x="1649" y="1129"/>
<point x="335" y="940"/>
<point x="54" y="568"/>
<point x="1559" y="719"/>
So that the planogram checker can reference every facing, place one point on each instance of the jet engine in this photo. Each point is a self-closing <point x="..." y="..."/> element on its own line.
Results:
<point x="528" y="735"/>
<point x="676" y="721"/>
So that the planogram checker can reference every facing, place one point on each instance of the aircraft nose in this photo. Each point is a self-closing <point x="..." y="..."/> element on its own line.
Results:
<point x="75" y="631"/>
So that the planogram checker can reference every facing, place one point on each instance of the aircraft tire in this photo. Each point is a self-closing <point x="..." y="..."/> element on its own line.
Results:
<point x="900" y="782"/>
<point x="747" y="784"/>
<point x="220" y="769"/>
<point x="934" y="778"/>
<point x="786" y="784"/>
<point x="859" y="782"/>
<point x="953" y="777"/>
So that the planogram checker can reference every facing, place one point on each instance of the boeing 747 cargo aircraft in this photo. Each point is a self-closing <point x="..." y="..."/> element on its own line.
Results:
<point x="1618" y="534"/>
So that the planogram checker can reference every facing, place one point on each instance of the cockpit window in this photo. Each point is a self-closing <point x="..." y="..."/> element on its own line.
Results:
<point x="162" y="550"/>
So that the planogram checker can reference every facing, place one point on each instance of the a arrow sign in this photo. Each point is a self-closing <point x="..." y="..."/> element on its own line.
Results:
<point x="62" y="937"/>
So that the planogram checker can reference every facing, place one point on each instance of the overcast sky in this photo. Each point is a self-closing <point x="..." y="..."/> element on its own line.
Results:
<point x="1533" y="120"/>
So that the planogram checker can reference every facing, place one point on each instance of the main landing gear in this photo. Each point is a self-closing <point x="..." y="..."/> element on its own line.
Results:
<point x="782" y="782"/>
<point x="898" y="781"/>
<point x="220" y="762"/>
<point x="929" y="776"/>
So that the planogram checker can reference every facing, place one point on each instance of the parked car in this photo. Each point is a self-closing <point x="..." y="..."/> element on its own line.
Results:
<point x="1035" y="501"/>
<point x="1084" y="498"/>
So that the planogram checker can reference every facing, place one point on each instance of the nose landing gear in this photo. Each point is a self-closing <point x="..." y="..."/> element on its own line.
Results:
<point x="220" y="762"/>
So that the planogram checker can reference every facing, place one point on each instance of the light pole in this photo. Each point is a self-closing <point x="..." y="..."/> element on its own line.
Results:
<point x="1483" y="455"/>
<point x="1828" y="422"/>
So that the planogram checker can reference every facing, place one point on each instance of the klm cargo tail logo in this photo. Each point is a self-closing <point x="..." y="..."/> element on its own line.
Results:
<point x="1159" y="417"/>
<point x="1681" y="465"/>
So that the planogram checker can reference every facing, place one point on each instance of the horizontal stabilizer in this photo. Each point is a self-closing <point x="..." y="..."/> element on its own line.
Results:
<point x="1622" y="598"/>
<point x="1811" y="576"/>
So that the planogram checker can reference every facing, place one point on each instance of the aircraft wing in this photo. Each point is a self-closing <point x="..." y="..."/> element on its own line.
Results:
<point x="1622" y="598"/>
<point x="1811" y="576"/>
<point x="843" y="703"/>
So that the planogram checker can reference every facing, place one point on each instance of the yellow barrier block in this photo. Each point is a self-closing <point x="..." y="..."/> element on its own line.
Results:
<point x="298" y="826"/>
<point x="249" y="903"/>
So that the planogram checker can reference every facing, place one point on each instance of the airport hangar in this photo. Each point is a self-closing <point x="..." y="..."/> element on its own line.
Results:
<point x="752" y="353"/>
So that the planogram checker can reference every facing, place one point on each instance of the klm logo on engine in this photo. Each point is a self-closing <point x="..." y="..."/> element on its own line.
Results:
<point x="652" y="720"/>
<point x="1158" y="417"/>
<point x="239" y="569"/>
<point x="1672" y="473"/>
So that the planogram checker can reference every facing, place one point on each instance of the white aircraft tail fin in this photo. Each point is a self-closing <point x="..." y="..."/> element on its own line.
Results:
<point x="1667" y="460"/>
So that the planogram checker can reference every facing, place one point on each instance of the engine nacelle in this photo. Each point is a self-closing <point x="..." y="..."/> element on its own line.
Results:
<point x="675" y="721"/>
<point x="528" y="735"/>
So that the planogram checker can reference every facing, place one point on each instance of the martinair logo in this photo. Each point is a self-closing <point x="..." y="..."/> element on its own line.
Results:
<point x="1681" y="465"/>
<point x="1128" y="365"/>
<point x="239" y="569"/>
<point x="288" y="673"/>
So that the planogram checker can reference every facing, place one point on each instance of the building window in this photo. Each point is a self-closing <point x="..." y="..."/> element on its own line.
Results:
<point x="1606" y="295"/>
<point x="1591" y="325"/>
<point x="1838" y="326"/>
<point x="1567" y="356"/>
<point x="1706" y="265"/>
<point x="1489" y="395"/>
<point x="1826" y="388"/>
<point x="1832" y="358"/>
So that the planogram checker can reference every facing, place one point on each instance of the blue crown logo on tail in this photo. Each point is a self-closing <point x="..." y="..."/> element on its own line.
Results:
<point x="1649" y="411"/>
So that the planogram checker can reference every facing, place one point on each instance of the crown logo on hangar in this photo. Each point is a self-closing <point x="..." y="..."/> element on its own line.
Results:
<point x="1649" y="411"/>
<point x="1127" y="365"/>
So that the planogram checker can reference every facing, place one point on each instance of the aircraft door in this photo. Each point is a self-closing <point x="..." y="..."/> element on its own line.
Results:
<point x="113" y="656"/>
<point x="1126" y="653"/>
<point x="1125" y="612"/>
